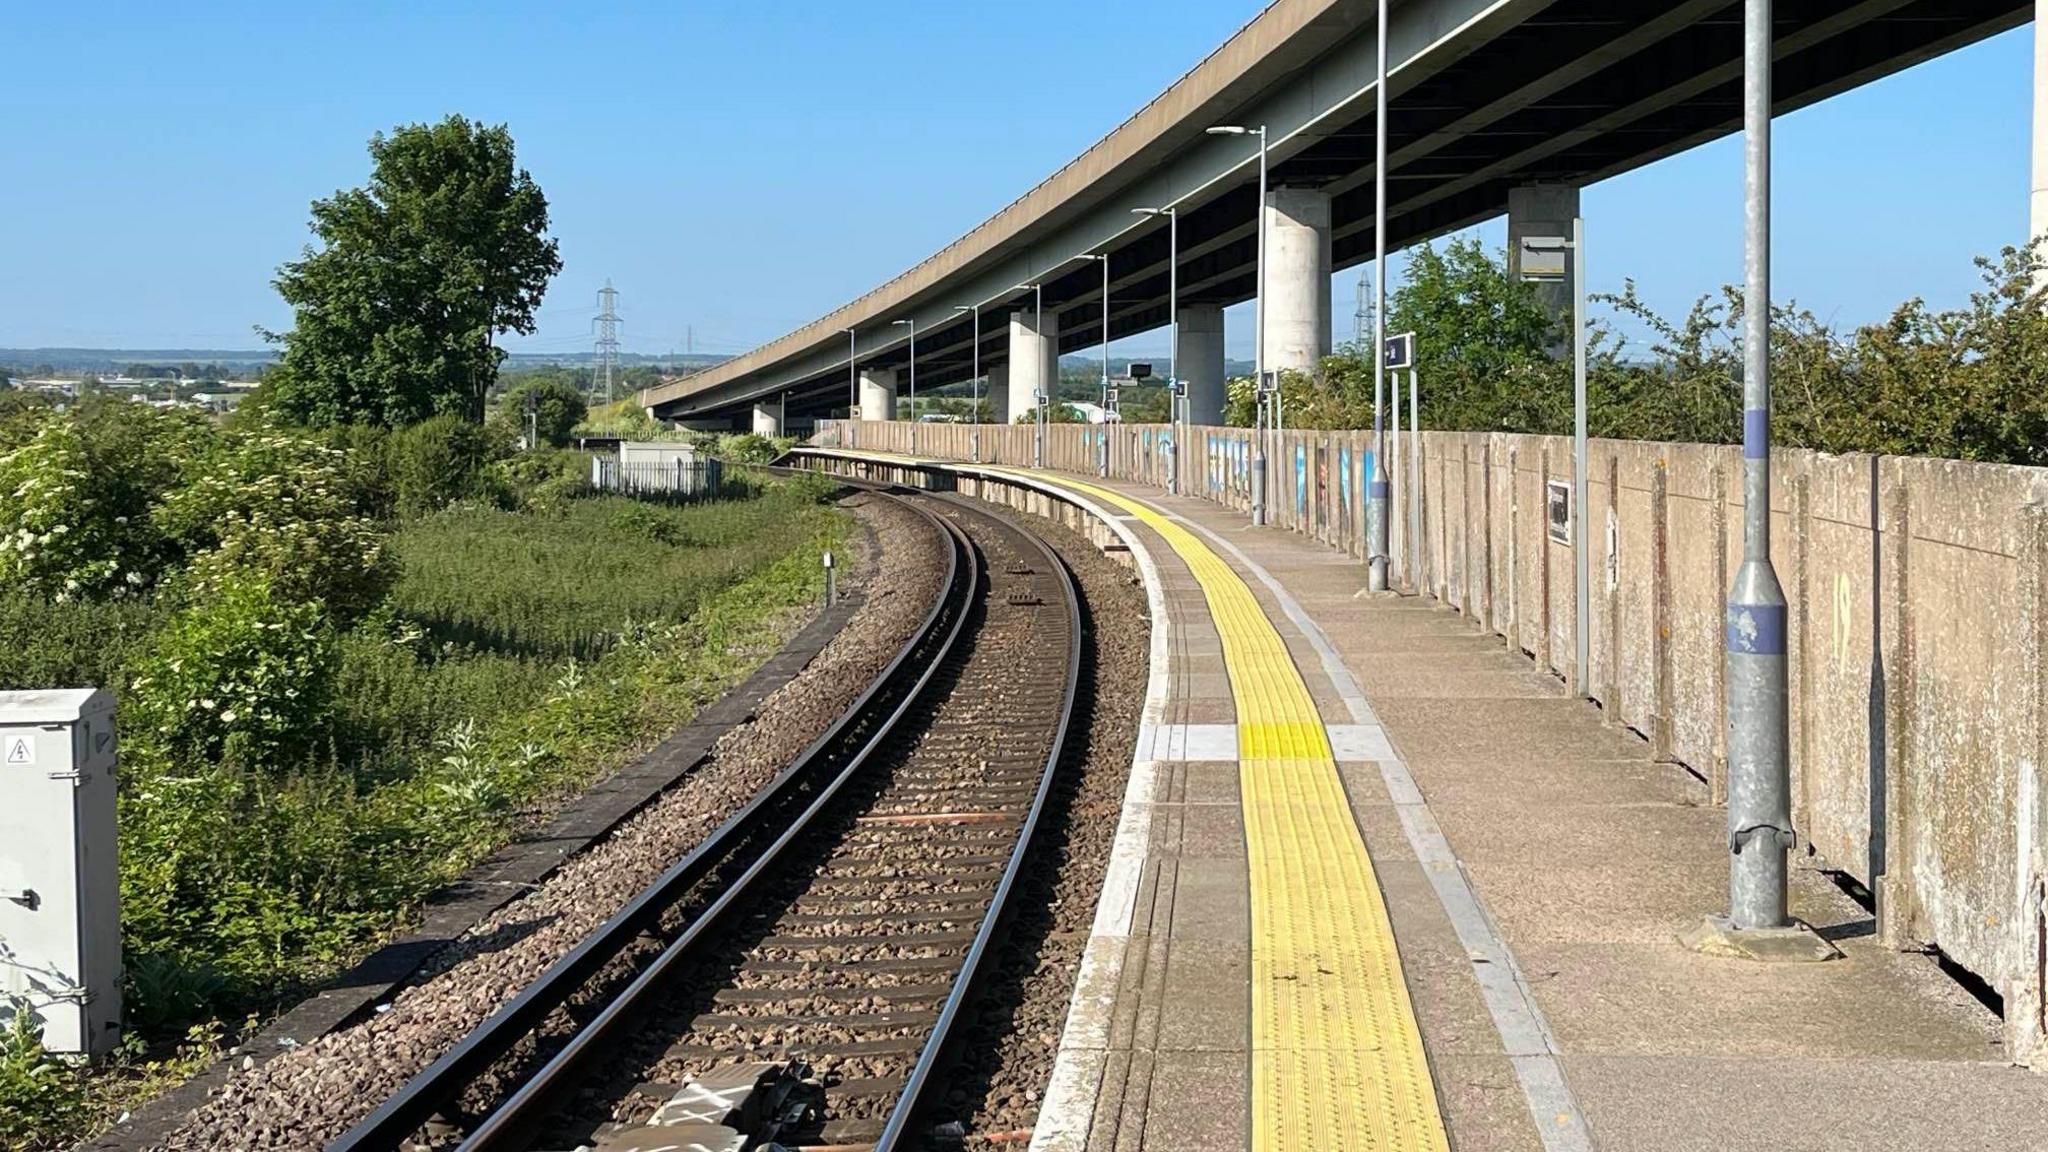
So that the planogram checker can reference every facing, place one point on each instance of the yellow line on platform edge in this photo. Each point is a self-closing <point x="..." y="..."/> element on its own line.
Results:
<point x="1337" y="1055"/>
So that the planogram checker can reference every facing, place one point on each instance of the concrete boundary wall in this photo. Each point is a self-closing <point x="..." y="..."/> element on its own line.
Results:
<point x="1918" y="593"/>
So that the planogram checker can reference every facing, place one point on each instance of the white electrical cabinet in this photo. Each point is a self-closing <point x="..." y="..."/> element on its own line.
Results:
<point x="60" y="900"/>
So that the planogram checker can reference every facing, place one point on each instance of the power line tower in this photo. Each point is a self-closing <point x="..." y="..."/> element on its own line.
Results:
<point x="1361" y="316"/>
<point x="607" y="323"/>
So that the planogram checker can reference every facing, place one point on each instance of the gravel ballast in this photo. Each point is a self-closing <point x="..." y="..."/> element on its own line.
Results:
<point x="1004" y="1058"/>
<point x="314" y="1093"/>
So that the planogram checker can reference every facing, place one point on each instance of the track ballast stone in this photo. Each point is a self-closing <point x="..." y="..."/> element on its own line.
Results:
<point x="309" y="1096"/>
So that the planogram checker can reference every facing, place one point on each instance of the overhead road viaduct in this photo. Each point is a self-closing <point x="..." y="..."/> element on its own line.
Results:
<point x="1487" y="97"/>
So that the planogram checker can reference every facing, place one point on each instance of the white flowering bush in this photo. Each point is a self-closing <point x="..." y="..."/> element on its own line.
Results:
<point x="55" y="537"/>
<point x="241" y="668"/>
<point x="282" y="506"/>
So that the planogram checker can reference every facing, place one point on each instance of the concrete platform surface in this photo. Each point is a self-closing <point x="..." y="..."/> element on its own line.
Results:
<point x="1536" y="867"/>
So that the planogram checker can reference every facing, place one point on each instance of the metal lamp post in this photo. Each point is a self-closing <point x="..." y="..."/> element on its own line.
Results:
<point x="852" y="376"/>
<point x="974" y="414"/>
<point x="1258" y="329"/>
<point x="912" y="321"/>
<point x="1039" y="393"/>
<point x="1102" y="435"/>
<point x="1175" y="404"/>
<point x="1759" y="758"/>
<point x="1376" y="494"/>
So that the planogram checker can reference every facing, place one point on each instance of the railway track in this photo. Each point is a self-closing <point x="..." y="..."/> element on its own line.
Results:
<point x="815" y="952"/>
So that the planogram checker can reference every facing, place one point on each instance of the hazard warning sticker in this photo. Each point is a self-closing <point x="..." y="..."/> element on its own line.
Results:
<point x="20" y="751"/>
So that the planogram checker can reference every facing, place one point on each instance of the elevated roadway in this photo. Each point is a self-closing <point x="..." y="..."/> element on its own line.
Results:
<point x="1491" y="102"/>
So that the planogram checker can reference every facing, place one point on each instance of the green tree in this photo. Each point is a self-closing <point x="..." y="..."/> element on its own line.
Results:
<point x="1485" y="342"/>
<point x="396" y="312"/>
<point x="558" y="406"/>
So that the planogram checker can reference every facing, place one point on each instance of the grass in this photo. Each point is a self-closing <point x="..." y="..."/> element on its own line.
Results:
<point x="567" y="587"/>
<point x="520" y="657"/>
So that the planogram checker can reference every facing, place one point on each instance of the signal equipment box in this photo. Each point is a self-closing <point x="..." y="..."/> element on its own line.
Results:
<point x="60" y="899"/>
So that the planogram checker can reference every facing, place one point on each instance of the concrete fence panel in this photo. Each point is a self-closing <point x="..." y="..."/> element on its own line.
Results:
<point x="1918" y="609"/>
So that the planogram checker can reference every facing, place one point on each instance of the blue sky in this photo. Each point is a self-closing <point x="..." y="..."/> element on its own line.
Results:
<point x="738" y="168"/>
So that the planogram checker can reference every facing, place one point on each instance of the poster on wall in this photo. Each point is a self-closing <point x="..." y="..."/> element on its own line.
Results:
<point x="1323" y="489"/>
<point x="1300" y="483"/>
<point x="1344" y="492"/>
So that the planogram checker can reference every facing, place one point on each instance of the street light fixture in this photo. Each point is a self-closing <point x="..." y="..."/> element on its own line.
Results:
<point x="1173" y="393"/>
<point x="912" y="321"/>
<point x="974" y="414"/>
<point x="1258" y="323"/>
<point x="1102" y="437"/>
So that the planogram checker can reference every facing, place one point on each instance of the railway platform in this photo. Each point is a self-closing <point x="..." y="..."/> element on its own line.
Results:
<point x="1381" y="884"/>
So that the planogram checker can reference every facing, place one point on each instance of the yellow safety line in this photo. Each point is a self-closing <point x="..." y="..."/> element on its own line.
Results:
<point x="1337" y="1056"/>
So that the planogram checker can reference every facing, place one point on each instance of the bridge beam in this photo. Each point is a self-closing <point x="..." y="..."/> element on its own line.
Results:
<point x="878" y="393"/>
<point x="1297" y="278"/>
<point x="1198" y="360"/>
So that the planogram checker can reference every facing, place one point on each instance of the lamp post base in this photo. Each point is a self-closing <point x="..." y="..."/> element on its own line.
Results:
<point x="1796" y="943"/>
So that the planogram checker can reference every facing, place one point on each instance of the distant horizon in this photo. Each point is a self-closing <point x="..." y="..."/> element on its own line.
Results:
<point x="696" y="191"/>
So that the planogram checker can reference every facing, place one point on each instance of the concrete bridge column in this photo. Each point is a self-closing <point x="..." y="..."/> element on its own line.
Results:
<point x="1545" y="210"/>
<point x="1297" y="278"/>
<point x="767" y="418"/>
<point x="996" y="390"/>
<point x="1034" y="359"/>
<point x="1198" y="361"/>
<point x="878" y="393"/>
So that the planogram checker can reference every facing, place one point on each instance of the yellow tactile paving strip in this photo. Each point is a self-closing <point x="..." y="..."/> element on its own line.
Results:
<point x="1337" y="1056"/>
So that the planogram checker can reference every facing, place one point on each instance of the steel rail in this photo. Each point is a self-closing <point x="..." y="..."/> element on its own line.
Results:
<point x="402" y="1114"/>
<point x="509" y="1120"/>
<point x="908" y="1103"/>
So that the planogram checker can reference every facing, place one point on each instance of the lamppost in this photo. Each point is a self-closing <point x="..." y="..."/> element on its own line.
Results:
<point x="974" y="414"/>
<point x="1759" y="753"/>
<point x="1173" y="394"/>
<point x="1040" y="394"/>
<point x="852" y="376"/>
<point x="1102" y="433"/>
<point x="1376" y="494"/>
<point x="912" y="321"/>
<point x="1258" y="329"/>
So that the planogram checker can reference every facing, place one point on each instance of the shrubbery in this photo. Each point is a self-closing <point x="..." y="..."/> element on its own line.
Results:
<point x="345" y="661"/>
<point x="1968" y="383"/>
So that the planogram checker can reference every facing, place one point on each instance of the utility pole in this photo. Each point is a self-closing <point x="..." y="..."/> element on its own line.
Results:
<point x="607" y="323"/>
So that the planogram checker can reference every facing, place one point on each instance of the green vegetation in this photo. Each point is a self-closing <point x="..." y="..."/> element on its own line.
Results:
<point x="356" y="640"/>
<point x="553" y="406"/>
<point x="1969" y="383"/>
<point x="395" y="313"/>
<point x="346" y="664"/>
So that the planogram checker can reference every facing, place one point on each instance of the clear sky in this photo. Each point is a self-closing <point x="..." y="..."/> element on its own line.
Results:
<point x="737" y="168"/>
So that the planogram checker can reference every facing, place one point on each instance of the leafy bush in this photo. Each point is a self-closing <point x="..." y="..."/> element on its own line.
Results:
<point x="438" y="462"/>
<point x="41" y="1098"/>
<point x="238" y="664"/>
<point x="749" y="448"/>
<point x="541" y="480"/>
<point x="281" y="506"/>
<point x="58" y="535"/>
<point x="558" y="407"/>
<point x="75" y="643"/>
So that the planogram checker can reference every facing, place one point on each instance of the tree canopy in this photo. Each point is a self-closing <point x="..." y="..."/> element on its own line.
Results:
<point x="558" y="407"/>
<point x="396" y="312"/>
